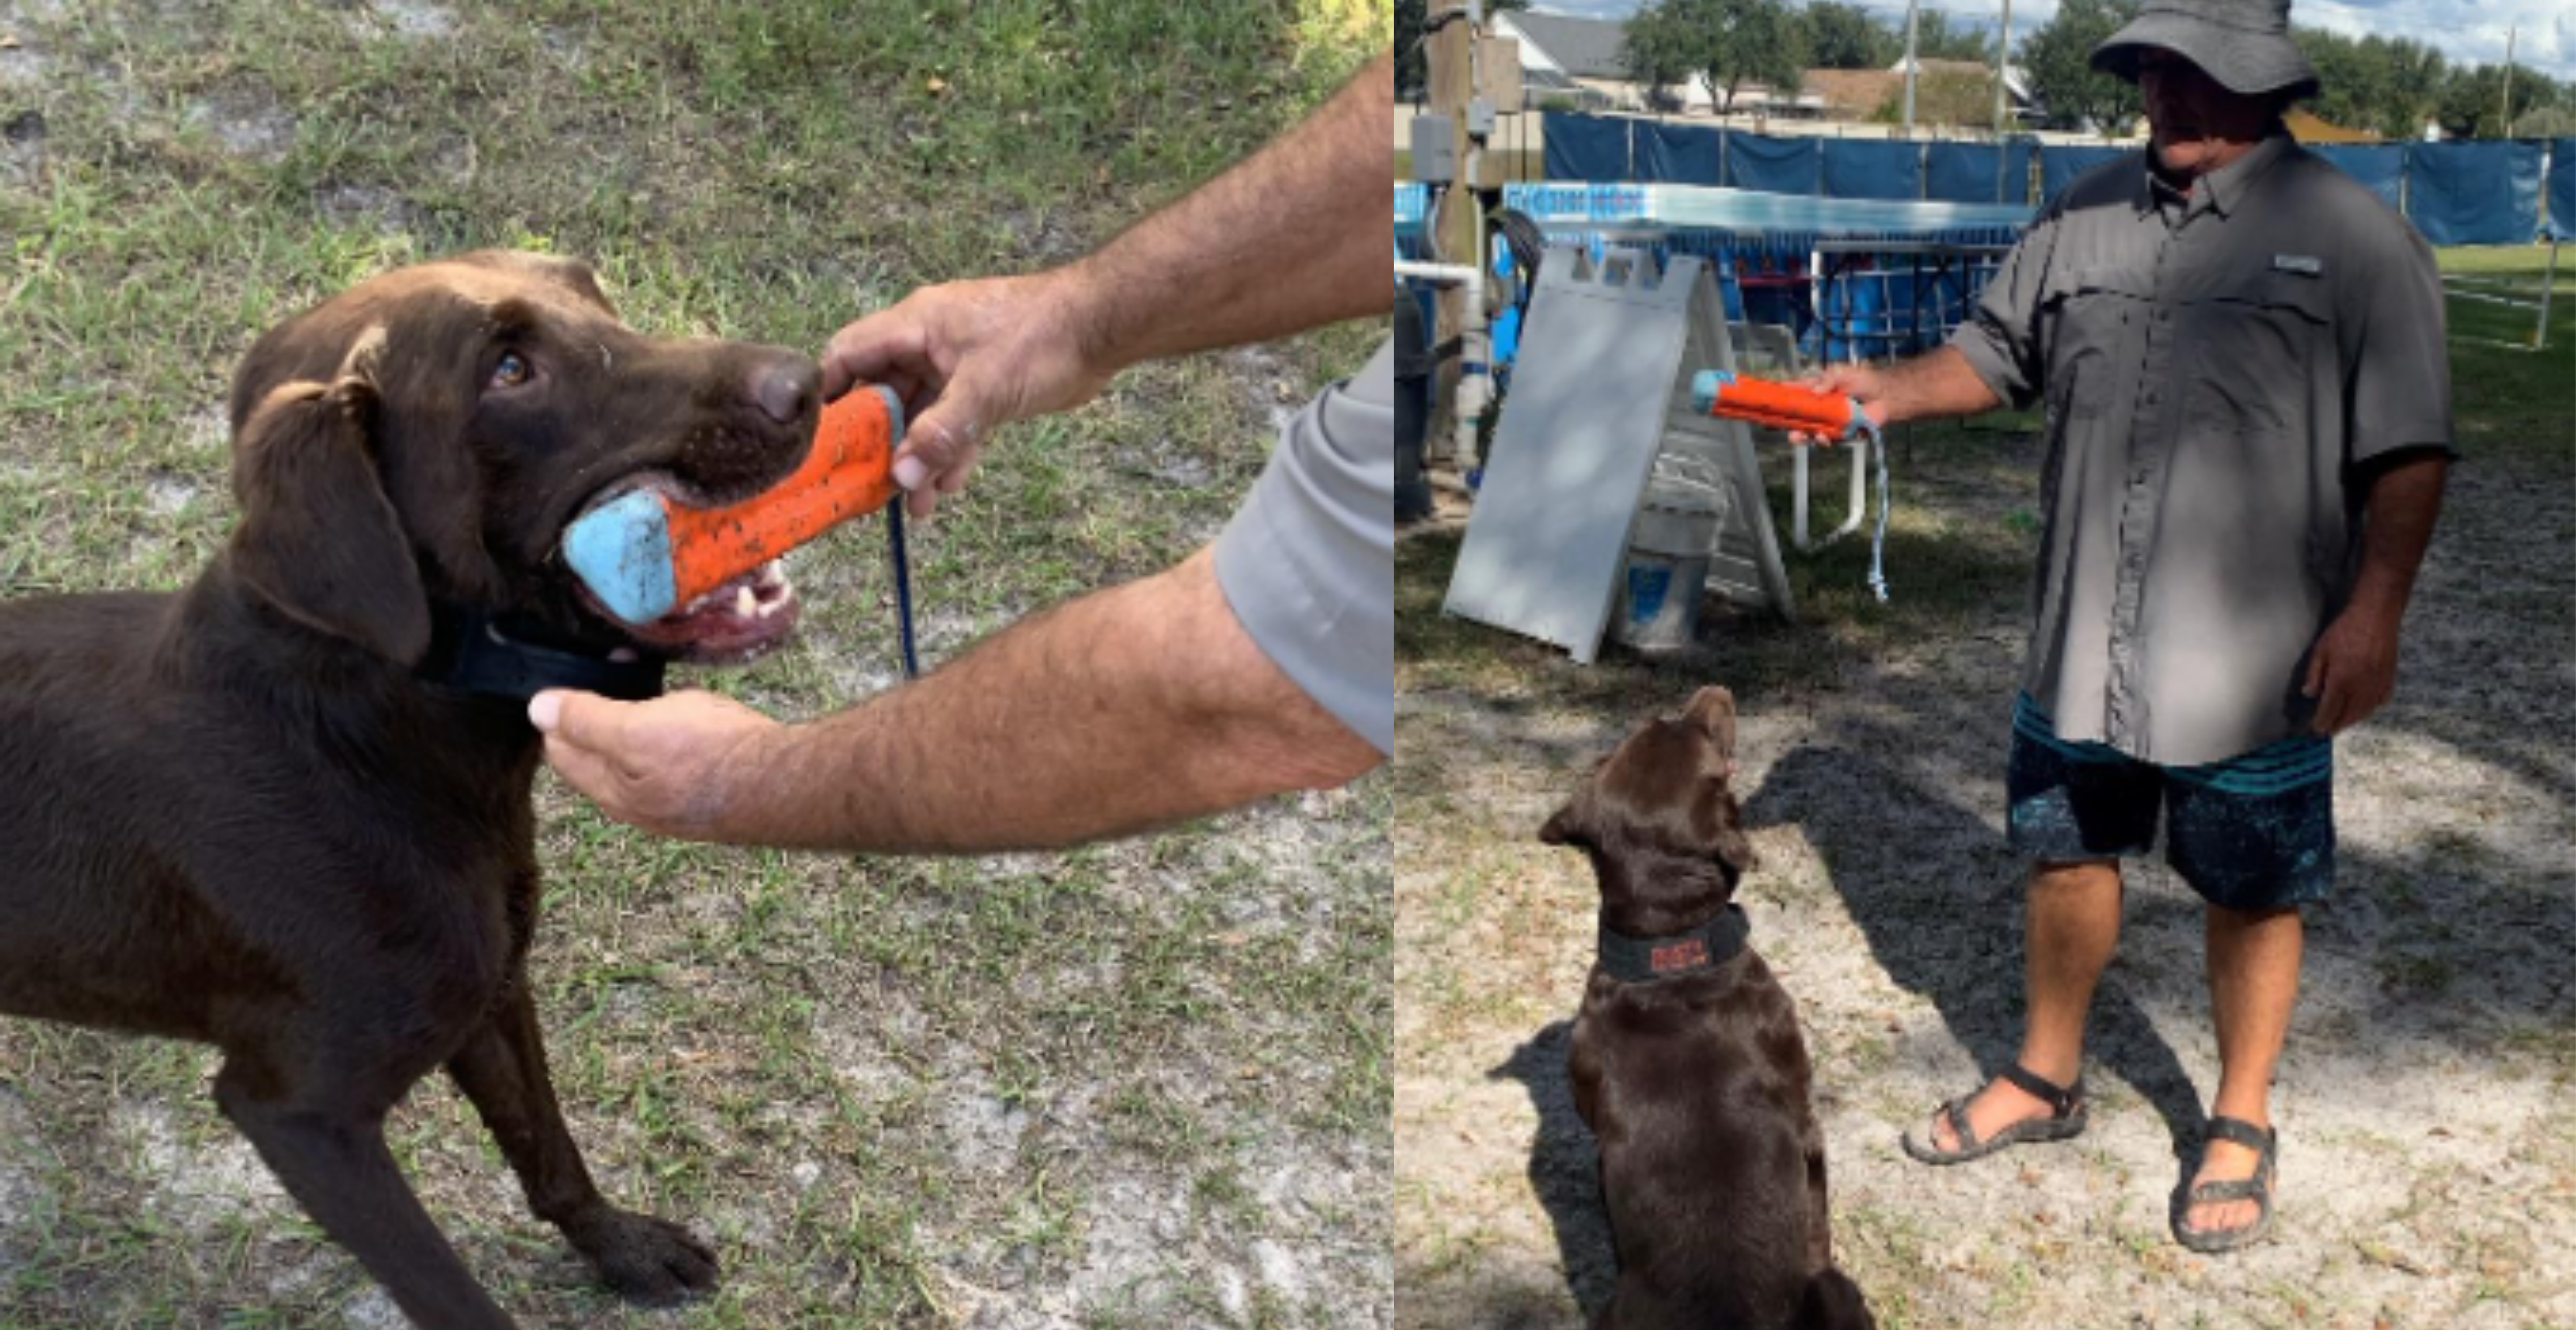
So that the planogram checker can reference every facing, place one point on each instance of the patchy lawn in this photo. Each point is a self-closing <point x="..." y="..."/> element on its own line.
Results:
<point x="1144" y="1084"/>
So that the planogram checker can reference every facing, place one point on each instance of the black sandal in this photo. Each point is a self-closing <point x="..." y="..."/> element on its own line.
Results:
<point x="2258" y="1189"/>
<point x="2068" y="1112"/>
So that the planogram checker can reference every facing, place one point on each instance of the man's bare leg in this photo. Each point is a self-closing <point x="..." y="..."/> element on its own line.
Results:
<point x="2253" y="985"/>
<point x="2071" y="925"/>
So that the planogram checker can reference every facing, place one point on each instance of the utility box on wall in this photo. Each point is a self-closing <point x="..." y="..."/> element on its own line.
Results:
<point x="1435" y="150"/>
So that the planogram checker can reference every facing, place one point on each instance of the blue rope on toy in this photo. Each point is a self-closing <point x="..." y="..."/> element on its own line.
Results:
<point x="1878" y="539"/>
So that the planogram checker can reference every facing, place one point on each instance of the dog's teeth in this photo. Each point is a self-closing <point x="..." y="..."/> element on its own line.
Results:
<point x="772" y="576"/>
<point x="745" y="603"/>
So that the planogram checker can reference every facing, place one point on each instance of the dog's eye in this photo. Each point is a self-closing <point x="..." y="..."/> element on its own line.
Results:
<point x="512" y="370"/>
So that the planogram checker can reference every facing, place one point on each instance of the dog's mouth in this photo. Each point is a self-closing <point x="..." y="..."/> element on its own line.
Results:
<point x="737" y="622"/>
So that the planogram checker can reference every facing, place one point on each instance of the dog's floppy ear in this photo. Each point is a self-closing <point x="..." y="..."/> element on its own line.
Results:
<point x="318" y="539"/>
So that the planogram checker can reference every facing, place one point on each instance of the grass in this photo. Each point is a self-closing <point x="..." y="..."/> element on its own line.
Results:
<point x="893" y="1092"/>
<point x="2519" y="401"/>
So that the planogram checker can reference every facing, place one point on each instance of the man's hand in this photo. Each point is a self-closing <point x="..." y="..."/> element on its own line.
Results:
<point x="2352" y="670"/>
<point x="669" y="765"/>
<point x="967" y="358"/>
<point x="1860" y="383"/>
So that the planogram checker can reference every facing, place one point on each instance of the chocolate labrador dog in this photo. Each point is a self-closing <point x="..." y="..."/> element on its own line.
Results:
<point x="286" y="810"/>
<point x="1686" y="1061"/>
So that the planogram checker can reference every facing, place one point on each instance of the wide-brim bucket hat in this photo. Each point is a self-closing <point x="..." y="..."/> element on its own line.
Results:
<point x="2243" y="44"/>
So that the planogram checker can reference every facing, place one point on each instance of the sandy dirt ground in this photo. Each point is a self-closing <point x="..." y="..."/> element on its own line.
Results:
<point x="2428" y="1166"/>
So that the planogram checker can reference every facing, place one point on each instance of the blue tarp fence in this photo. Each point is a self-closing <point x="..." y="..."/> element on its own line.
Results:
<point x="2478" y="193"/>
<point x="1587" y="147"/>
<point x="1686" y="152"/>
<point x="2060" y="164"/>
<point x="2486" y="192"/>
<point x="2381" y="166"/>
<point x="1774" y="165"/>
<point x="1872" y="169"/>
<point x="1977" y="172"/>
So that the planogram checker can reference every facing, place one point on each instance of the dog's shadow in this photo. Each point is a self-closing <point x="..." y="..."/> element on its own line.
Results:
<point x="1565" y="1167"/>
<point x="1895" y="850"/>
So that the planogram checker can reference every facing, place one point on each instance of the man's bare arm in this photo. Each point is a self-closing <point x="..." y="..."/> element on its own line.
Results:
<point x="1937" y="383"/>
<point x="1121" y="711"/>
<point x="1291" y="238"/>
<point x="2352" y="670"/>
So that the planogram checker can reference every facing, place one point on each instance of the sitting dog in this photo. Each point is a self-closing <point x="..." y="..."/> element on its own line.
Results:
<point x="287" y="811"/>
<point x="1686" y="1060"/>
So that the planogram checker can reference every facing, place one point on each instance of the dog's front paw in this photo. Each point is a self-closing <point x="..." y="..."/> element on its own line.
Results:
<point x="646" y="1260"/>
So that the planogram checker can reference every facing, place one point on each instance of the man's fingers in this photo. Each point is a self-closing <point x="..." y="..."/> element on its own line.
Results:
<point x="2332" y="702"/>
<point x="583" y="770"/>
<point x="874" y="350"/>
<point x="584" y="727"/>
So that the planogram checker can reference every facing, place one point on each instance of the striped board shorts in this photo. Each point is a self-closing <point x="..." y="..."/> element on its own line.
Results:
<point x="2253" y="832"/>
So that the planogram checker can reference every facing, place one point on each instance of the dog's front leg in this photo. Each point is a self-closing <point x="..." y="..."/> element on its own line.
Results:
<point x="502" y="1068"/>
<point x="332" y="1158"/>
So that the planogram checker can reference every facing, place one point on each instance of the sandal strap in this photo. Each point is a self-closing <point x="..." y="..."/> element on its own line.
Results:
<point x="1966" y="1132"/>
<point x="2256" y="1188"/>
<point x="2222" y="1128"/>
<point x="2061" y="1100"/>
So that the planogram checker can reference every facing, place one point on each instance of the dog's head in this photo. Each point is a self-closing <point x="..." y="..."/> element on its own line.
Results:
<point x="1658" y="817"/>
<point x="426" y="435"/>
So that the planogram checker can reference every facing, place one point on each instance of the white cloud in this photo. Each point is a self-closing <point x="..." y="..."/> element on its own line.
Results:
<point x="2467" y="31"/>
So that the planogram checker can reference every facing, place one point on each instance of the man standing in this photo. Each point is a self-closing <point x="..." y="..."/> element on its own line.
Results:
<point x="2248" y="416"/>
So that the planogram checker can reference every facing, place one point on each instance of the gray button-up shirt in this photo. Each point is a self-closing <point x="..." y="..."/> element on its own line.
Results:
<point x="1308" y="562"/>
<point x="2215" y="370"/>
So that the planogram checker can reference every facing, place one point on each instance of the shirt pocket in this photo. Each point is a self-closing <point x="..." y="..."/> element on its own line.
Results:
<point x="2251" y="351"/>
<point x="2092" y="311"/>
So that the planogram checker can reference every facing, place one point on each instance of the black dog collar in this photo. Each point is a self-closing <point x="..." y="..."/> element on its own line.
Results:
<point x="469" y="652"/>
<point x="1639" y="960"/>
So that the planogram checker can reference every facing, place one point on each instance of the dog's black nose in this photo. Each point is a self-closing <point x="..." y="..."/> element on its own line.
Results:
<point x="785" y="390"/>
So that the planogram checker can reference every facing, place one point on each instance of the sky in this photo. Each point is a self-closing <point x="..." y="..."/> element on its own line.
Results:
<point x="2467" y="31"/>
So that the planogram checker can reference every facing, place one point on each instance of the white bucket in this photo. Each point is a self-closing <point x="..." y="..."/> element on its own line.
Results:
<point x="1667" y="569"/>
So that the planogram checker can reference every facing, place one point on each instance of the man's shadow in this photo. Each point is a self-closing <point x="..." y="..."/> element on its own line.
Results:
<point x="1894" y="850"/>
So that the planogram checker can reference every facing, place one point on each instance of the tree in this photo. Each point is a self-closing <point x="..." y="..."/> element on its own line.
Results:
<point x="2058" y="59"/>
<point x="1846" y="36"/>
<point x="1660" y="51"/>
<point x="1730" y="43"/>
<point x="2416" y="74"/>
<point x="1935" y="39"/>
<point x="2548" y="122"/>
<point x="1945" y="97"/>
<point x="2356" y="84"/>
<point x="2471" y="99"/>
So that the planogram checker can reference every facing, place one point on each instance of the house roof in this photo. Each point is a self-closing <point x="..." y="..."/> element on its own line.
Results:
<point x="1855" y="92"/>
<point x="1587" y="48"/>
<point x="2308" y="127"/>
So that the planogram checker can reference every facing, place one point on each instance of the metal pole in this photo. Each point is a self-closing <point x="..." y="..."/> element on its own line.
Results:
<point x="2548" y="278"/>
<point x="2003" y="58"/>
<point x="1909" y="68"/>
<point x="2505" y="130"/>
